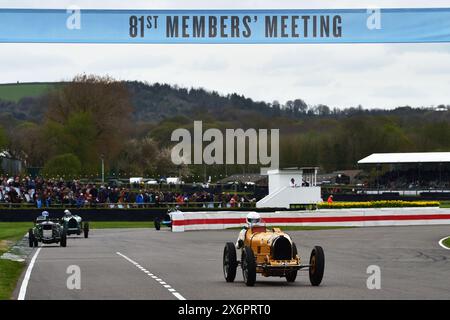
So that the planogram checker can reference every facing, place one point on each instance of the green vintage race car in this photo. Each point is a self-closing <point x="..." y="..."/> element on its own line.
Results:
<point x="47" y="230"/>
<point x="73" y="224"/>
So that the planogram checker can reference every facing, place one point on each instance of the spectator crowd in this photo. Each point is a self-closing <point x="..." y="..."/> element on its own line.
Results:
<point x="46" y="193"/>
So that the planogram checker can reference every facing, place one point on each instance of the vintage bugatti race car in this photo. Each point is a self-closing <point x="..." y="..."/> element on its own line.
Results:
<point x="47" y="230"/>
<point x="73" y="224"/>
<point x="270" y="252"/>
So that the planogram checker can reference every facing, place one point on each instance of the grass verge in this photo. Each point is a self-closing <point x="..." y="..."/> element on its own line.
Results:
<point x="445" y="204"/>
<point x="13" y="231"/>
<point x="446" y="242"/>
<point x="10" y="271"/>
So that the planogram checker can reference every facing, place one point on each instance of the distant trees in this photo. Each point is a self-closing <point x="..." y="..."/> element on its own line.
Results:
<point x="29" y="144"/>
<point x="85" y="119"/>
<point x="90" y="116"/>
<point x="129" y="124"/>
<point x="3" y="138"/>
<point x="296" y="107"/>
<point x="66" y="165"/>
<point x="339" y="144"/>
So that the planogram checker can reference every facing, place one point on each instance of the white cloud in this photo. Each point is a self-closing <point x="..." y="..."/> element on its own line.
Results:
<point x="337" y="75"/>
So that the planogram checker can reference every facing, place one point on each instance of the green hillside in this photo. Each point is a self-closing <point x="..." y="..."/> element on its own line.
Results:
<point x="16" y="91"/>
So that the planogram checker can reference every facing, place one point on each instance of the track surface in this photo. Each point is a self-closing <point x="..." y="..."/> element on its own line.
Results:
<point x="413" y="266"/>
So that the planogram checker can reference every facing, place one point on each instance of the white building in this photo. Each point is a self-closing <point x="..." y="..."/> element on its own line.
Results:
<point x="290" y="187"/>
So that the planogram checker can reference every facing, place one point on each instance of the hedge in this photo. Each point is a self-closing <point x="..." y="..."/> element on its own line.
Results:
<point x="377" y="204"/>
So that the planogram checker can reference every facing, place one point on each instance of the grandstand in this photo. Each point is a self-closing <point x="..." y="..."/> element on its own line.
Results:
<point x="415" y="173"/>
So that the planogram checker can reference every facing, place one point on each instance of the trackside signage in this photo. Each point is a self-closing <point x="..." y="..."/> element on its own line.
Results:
<point x="369" y="25"/>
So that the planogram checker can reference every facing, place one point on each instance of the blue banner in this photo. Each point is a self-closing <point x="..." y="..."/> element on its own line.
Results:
<point x="225" y="26"/>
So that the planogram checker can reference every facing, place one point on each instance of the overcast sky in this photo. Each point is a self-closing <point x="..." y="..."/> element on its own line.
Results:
<point x="373" y="75"/>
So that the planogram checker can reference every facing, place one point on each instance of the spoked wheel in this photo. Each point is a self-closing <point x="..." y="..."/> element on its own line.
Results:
<point x="248" y="266"/>
<point x="317" y="266"/>
<point x="229" y="262"/>
<point x="292" y="275"/>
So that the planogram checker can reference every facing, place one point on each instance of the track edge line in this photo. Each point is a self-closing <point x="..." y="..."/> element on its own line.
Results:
<point x="441" y="243"/>
<point x="26" y="278"/>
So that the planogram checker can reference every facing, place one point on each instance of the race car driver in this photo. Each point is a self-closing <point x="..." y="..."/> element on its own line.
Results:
<point x="253" y="219"/>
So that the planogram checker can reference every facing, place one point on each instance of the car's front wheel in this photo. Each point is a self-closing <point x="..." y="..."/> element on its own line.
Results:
<point x="229" y="262"/>
<point x="248" y="266"/>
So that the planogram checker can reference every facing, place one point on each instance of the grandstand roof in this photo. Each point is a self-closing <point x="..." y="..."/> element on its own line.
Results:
<point x="410" y="157"/>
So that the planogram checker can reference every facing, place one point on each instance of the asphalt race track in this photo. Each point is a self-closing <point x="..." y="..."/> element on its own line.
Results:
<point x="189" y="265"/>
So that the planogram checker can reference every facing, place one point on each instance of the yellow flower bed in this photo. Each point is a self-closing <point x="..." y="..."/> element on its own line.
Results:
<point x="377" y="204"/>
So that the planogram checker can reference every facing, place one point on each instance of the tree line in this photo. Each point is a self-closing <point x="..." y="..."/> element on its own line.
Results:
<point x="70" y="129"/>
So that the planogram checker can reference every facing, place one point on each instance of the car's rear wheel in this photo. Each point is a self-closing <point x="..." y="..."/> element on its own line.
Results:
<point x="63" y="241"/>
<point x="248" y="266"/>
<point x="317" y="265"/>
<point x="30" y="238"/>
<point x="86" y="229"/>
<point x="292" y="275"/>
<point x="229" y="262"/>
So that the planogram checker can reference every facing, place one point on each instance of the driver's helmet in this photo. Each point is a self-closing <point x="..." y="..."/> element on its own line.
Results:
<point x="67" y="213"/>
<point x="45" y="214"/>
<point x="253" y="219"/>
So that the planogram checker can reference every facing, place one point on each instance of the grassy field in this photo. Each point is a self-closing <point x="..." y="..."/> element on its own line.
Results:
<point x="446" y="242"/>
<point x="10" y="271"/>
<point x="13" y="231"/>
<point x="16" y="91"/>
<point x="445" y="204"/>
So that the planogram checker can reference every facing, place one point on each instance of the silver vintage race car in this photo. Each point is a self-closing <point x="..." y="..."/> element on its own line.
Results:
<point x="47" y="230"/>
<point x="73" y="224"/>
